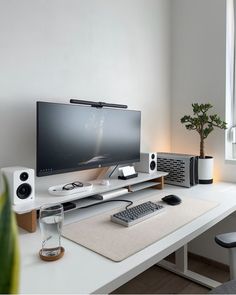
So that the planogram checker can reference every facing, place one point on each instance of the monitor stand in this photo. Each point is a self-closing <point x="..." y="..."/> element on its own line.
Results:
<point x="107" y="173"/>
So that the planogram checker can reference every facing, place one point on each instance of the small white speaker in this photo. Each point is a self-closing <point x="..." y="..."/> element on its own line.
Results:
<point x="147" y="164"/>
<point x="21" y="184"/>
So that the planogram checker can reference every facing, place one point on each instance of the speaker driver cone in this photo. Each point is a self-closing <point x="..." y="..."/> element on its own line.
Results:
<point x="24" y="191"/>
<point x="152" y="165"/>
<point x="24" y="176"/>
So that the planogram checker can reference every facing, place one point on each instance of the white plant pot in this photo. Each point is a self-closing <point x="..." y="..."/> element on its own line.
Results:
<point x="205" y="170"/>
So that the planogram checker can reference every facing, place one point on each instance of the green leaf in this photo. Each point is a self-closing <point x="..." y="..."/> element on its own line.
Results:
<point x="9" y="252"/>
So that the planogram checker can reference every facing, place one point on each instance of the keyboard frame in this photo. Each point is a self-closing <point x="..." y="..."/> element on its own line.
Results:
<point x="138" y="220"/>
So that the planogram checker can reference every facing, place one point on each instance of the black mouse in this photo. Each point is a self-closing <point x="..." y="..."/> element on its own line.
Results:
<point x="172" y="200"/>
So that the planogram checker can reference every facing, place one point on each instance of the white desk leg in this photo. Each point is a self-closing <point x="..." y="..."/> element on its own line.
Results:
<point x="181" y="258"/>
<point x="232" y="263"/>
<point x="180" y="267"/>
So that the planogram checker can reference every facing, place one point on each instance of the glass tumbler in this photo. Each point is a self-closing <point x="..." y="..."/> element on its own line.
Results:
<point x="51" y="220"/>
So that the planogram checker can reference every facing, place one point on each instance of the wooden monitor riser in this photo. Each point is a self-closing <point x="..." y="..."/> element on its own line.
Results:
<point x="28" y="221"/>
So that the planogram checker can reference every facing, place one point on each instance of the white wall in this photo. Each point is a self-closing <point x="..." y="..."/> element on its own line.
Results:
<point x="115" y="51"/>
<point x="198" y="75"/>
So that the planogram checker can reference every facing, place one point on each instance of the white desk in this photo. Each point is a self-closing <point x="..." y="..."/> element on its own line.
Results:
<point x="83" y="271"/>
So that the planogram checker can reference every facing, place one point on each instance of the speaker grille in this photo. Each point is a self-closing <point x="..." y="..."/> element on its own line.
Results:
<point x="175" y="168"/>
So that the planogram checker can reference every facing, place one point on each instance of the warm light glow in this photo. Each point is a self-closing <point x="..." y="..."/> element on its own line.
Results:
<point x="216" y="175"/>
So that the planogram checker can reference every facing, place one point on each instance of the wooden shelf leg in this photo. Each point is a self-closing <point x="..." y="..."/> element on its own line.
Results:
<point x="27" y="221"/>
<point x="160" y="181"/>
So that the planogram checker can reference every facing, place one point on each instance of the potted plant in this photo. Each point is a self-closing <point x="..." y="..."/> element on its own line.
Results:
<point x="203" y="123"/>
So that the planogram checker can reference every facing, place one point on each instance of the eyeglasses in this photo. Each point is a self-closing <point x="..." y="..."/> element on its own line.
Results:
<point x="72" y="185"/>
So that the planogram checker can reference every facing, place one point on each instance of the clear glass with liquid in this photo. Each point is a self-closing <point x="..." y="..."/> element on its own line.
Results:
<point x="51" y="220"/>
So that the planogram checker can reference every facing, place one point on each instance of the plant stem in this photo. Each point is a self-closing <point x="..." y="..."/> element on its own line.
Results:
<point x="202" y="153"/>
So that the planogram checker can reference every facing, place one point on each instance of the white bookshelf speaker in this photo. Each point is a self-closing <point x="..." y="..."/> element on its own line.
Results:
<point x="21" y="184"/>
<point x="147" y="164"/>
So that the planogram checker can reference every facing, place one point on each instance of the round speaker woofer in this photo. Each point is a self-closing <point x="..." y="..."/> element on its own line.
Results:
<point x="24" y="191"/>
<point x="24" y="176"/>
<point x="152" y="165"/>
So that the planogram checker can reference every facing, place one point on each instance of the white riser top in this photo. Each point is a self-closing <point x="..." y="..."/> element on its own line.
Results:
<point x="43" y="197"/>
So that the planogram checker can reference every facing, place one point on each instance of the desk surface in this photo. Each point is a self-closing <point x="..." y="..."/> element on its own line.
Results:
<point x="83" y="271"/>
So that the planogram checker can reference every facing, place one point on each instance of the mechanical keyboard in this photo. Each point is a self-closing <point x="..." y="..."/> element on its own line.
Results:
<point x="137" y="213"/>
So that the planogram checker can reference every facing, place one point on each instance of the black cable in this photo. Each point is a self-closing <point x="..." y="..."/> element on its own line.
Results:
<point x="98" y="203"/>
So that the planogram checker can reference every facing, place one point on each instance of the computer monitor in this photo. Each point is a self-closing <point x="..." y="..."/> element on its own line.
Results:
<point x="73" y="137"/>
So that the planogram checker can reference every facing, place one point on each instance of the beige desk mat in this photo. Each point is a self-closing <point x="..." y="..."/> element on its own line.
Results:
<point x="117" y="242"/>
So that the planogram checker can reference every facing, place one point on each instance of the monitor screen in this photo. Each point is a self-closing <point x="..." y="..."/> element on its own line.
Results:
<point x="73" y="137"/>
